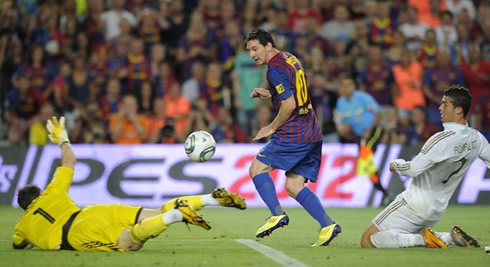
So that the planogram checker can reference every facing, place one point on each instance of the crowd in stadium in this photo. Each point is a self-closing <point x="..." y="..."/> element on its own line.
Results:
<point x="142" y="71"/>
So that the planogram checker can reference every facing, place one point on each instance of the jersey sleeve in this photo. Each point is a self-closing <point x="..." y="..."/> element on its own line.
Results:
<point x="485" y="151"/>
<point x="18" y="240"/>
<point x="432" y="153"/>
<point x="280" y="80"/>
<point x="61" y="181"/>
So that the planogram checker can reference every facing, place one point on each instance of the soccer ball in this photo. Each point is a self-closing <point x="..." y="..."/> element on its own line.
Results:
<point x="200" y="146"/>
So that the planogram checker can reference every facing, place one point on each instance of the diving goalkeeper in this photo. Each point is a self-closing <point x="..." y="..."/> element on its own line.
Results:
<point x="52" y="221"/>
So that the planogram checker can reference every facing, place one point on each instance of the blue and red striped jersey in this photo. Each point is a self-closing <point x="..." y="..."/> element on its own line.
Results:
<point x="287" y="78"/>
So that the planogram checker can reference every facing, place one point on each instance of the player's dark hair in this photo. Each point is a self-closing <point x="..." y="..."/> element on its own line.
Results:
<point x="262" y="36"/>
<point x="27" y="194"/>
<point x="460" y="97"/>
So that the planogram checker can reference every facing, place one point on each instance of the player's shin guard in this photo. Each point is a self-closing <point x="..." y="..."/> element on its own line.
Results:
<point x="264" y="185"/>
<point x="313" y="206"/>
<point x="148" y="228"/>
<point x="194" y="201"/>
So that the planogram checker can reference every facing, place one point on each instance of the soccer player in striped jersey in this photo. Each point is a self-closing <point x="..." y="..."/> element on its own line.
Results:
<point x="296" y="143"/>
<point x="436" y="171"/>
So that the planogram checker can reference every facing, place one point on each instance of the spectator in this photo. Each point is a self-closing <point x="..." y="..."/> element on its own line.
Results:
<point x="446" y="32"/>
<point x="161" y="128"/>
<point x="477" y="76"/>
<point x="299" y="12"/>
<point x="225" y="131"/>
<point x="145" y="97"/>
<point x="377" y="78"/>
<point x="177" y="109"/>
<point x="191" y="87"/>
<point x="164" y="79"/>
<point x="393" y="131"/>
<point x="246" y="76"/>
<point x="78" y="86"/>
<point x="38" y="135"/>
<point x="195" y="45"/>
<point x="136" y="67"/>
<point x="110" y="102"/>
<point x="214" y="92"/>
<point x="158" y="53"/>
<point x="112" y="18"/>
<point x="419" y="130"/>
<point x="408" y="80"/>
<point x="324" y="101"/>
<point x="38" y="71"/>
<point x="437" y="79"/>
<point x="23" y="104"/>
<point x="340" y="27"/>
<point x="393" y="54"/>
<point x="126" y="126"/>
<point x="381" y="27"/>
<point x="456" y="6"/>
<point x="413" y="30"/>
<point x="427" y="53"/>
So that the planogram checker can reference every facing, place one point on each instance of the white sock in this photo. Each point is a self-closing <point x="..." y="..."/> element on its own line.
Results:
<point x="446" y="238"/>
<point x="172" y="216"/>
<point x="389" y="239"/>
<point x="209" y="200"/>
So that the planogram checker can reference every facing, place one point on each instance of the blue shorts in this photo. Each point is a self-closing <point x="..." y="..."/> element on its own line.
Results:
<point x="303" y="159"/>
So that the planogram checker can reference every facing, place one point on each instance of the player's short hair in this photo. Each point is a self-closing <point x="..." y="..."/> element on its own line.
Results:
<point x="27" y="194"/>
<point x="261" y="35"/>
<point x="460" y="97"/>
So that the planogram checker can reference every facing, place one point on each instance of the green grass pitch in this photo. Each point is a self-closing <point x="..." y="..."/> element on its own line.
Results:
<point x="217" y="247"/>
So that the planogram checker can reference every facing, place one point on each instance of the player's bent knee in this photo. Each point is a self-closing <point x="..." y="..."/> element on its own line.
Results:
<point x="257" y="168"/>
<point x="126" y="242"/>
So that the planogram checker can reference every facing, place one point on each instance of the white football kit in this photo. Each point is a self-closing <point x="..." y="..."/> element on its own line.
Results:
<point x="436" y="171"/>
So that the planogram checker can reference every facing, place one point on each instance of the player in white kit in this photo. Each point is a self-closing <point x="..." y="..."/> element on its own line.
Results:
<point x="436" y="171"/>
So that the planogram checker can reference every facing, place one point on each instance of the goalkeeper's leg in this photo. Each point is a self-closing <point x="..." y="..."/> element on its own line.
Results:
<point x="219" y="197"/>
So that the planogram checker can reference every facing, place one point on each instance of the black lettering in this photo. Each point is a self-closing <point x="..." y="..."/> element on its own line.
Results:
<point x="96" y="170"/>
<point x="116" y="178"/>
<point x="177" y="172"/>
<point x="46" y="215"/>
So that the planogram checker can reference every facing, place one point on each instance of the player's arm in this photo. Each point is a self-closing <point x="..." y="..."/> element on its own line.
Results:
<point x="485" y="152"/>
<point x="433" y="152"/>
<point x="279" y="80"/>
<point x="19" y="242"/>
<point x="64" y="174"/>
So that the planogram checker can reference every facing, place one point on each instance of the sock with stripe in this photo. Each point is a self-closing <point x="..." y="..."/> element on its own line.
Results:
<point x="196" y="202"/>
<point x="313" y="206"/>
<point x="265" y="186"/>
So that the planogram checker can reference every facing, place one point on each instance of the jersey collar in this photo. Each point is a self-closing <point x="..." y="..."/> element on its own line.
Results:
<point x="452" y="126"/>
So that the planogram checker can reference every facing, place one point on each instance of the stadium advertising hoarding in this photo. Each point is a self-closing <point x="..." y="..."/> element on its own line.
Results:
<point x="148" y="175"/>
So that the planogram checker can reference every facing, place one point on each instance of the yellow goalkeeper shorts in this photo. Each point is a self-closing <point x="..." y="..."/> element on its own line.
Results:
<point x="98" y="227"/>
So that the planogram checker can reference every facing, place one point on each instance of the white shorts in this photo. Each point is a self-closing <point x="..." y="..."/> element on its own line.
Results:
<point x="399" y="217"/>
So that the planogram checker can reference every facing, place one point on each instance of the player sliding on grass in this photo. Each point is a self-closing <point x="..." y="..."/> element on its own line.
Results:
<point x="52" y="221"/>
<point x="436" y="171"/>
<point x="296" y="143"/>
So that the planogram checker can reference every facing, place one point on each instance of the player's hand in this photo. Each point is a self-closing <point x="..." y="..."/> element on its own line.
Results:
<point x="57" y="132"/>
<point x="264" y="132"/>
<point x="261" y="92"/>
<point x="392" y="167"/>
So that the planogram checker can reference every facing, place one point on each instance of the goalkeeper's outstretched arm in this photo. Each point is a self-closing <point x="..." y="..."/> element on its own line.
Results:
<point x="59" y="136"/>
<point x="68" y="158"/>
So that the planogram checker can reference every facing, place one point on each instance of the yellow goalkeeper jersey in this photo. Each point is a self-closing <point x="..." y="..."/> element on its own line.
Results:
<point x="43" y="220"/>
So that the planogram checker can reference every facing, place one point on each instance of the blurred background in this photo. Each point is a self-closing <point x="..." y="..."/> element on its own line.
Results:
<point x="141" y="71"/>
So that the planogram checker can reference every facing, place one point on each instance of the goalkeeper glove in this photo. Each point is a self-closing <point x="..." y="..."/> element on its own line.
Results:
<point x="57" y="132"/>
